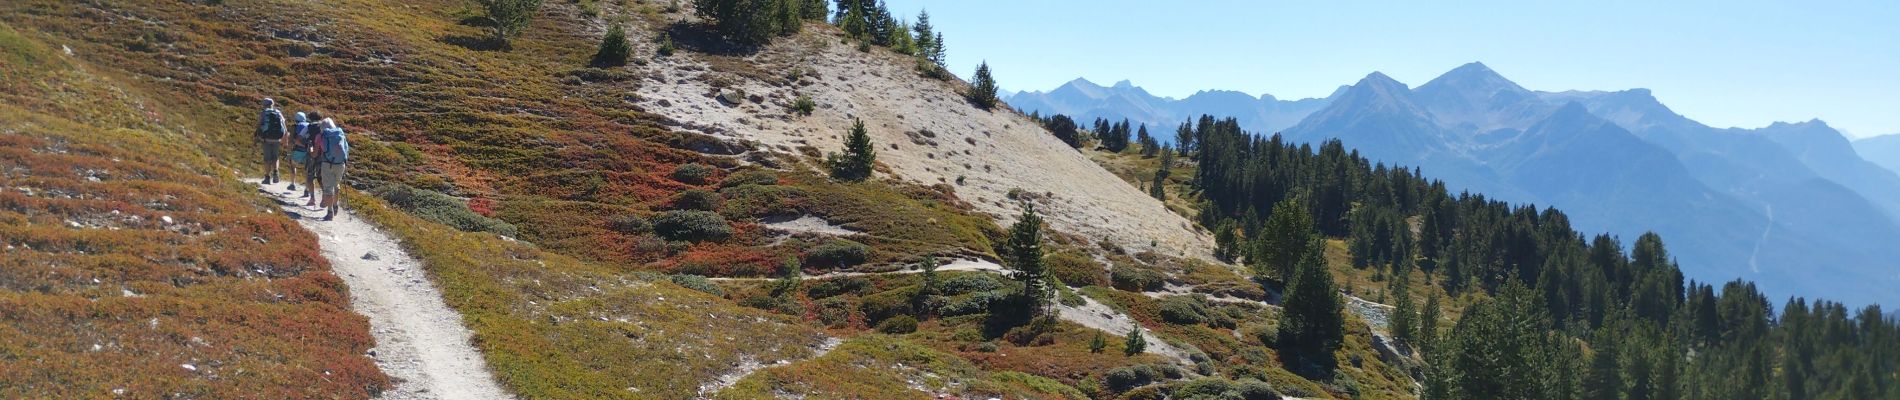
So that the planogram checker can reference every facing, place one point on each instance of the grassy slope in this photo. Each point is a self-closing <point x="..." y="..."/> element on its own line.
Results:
<point x="135" y="266"/>
<point x="551" y="142"/>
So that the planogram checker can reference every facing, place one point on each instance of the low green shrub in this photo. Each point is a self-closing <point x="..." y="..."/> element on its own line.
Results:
<point x="1121" y="379"/>
<point x="693" y="173"/>
<point x="629" y="224"/>
<point x="1184" y="310"/>
<point x="749" y="177"/>
<point x="969" y="283"/>
<point x="1135" y="279"/>
<point x="440" y="208"/>
<point x="803" y="105"/>
<point x="898" y="325"/>
<point x="696" y="199"/>
<point x="1076" y="268"/>
<point x="696" y="282"/>
<point x="838" y="253"/>
<point x="692" y="226"/>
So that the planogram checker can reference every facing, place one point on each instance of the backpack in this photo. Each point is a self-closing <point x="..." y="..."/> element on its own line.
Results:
<point x="273" y="128"/>
<point x="301" y="135"/>
<point x="336" y="150"/>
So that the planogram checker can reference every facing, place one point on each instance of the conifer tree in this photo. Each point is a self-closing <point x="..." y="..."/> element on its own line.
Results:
<point x="614" y="48"/>
<point x="858" y="157"/>
<point x="925" y="36"/>
<point x="1285" y="239"/>
<point x="936" y="50"/>
<point x="1024" y="256"/>
<point x="814" y="10"/>
<point x="983" y="87"/>
<point x="1159" y="188"/>
<point x="1427" y="332"/>
<point x="508" y="17"/>
<point x="1065" y="130"/>
<point x="1604" y="379"/>
<point x="928" y="288"/>
<point x="1099" y="343"/>
<point x="1404" y="314"/>
<point x="1135" y="343"/>
<point x="1311" y="326"/>
<point x="787" y="20"/>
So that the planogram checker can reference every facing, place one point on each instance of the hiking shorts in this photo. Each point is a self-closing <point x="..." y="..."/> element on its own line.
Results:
<point x="270" y="151"/>
<point x="332" y="177"/>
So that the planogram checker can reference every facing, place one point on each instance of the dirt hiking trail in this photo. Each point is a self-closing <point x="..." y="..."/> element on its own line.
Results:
<point x="420" y="342"/>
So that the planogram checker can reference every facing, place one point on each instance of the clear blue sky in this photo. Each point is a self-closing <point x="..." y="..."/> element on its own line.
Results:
<point x="1724" y="63"/>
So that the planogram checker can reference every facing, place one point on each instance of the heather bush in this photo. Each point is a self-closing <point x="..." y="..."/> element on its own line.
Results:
<point x="898" y="325"/>
<point x="693" y="173"/>
<point x="697" y="200"/>
<point x="440" y="208"/>
<point x="838" y="253"/>
<point x="692" y="226"/>
<point x="1135" y="279"/>
<point x="749" y="177"/>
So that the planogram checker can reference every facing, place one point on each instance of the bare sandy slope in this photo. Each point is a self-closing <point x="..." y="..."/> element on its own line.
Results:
<point x="420" y="341"/>
<point x="925" y="133"/>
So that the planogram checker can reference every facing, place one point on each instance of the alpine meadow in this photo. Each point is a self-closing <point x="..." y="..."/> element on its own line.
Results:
<point x="851" y="199"/>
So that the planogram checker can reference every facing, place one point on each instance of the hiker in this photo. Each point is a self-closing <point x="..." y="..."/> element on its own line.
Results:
<point x="335" y="152"/>
<point x="312" y="165"/>
<point x="270" y="137"/>
<point x="299" y="148"/>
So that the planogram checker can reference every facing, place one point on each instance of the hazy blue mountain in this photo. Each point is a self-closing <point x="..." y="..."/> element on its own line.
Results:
<point x="1085" y="101"/>
<point x="1794" y="206"/>
<point x="1830" y="154"/>
<point x="1734" y="203"/>
<point x="1882" y="150"/>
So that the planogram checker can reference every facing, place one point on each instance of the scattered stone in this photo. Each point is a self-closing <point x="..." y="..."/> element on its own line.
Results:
<point x="371" y="256"/>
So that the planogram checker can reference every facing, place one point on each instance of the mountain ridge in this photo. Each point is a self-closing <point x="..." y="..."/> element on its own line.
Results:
<point x="1469" y="124"/>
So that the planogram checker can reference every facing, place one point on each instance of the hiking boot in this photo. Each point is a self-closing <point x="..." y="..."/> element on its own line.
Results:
<point x="293" y="188"/>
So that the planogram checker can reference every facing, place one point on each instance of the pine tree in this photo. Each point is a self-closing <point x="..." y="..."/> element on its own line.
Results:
<point x="1404" y="314"/>
<point x="787" y="20"/>
<point x="1288" y="230"/>
<point x="1311" y="326"/>
<point x="1184" y="138"/>
<point x="1065" y="130"/>
<point x="508" y="17"/>
<point x="814" y="10"/>
<point x="614" y="48"/>
<point x="1098" y="344"/>
<point x="936" y="50"/>
<point x="1024" y="247"/>
<point x="747" y="22"/>
<point x="1427" y="334"/>
<point x="983" y="87"/>
<point x="918" y="301"/>
<point x="858" y="157"/>
<point x="925" y="36"/>
<point x="1159" y="189"/>
<point x="1135" y="343"/>
<point x="1604" y="379"/>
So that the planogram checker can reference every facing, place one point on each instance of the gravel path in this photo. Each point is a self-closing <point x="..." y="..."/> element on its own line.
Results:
<point x="420" y="342"/>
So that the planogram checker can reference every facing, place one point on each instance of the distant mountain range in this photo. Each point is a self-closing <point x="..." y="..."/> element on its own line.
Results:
<point x="1085" y="101"/>
<point x="1792" y="206"/>
<point x="1882" y="150"/>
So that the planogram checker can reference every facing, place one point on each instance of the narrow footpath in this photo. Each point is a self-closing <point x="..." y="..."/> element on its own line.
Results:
<point x="420" y="342"/>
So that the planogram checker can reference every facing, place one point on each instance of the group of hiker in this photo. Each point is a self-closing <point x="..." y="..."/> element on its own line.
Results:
<point x="317" y="147"/>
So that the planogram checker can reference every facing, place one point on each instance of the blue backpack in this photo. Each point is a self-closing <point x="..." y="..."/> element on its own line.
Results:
<point x="336" y="149"/>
